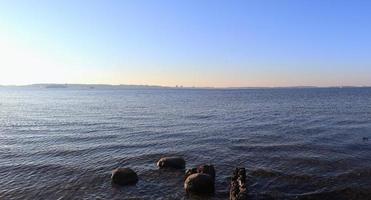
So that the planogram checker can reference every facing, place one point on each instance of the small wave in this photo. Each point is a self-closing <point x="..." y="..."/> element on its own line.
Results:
<point x="350" y="122"/>
<point x="338" y="194"/>
<point x="355" y="174"/>
<point x="264" y="173"/>
<point x="200" y="117"/>
<point x="290" y="147"/>
<point x="84" y="138"/>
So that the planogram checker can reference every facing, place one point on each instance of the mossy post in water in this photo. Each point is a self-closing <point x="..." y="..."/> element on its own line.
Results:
<point x="238" y="190"/>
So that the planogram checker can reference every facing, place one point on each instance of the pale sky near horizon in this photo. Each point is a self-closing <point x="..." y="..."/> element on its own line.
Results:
<point x="217" y="43"/>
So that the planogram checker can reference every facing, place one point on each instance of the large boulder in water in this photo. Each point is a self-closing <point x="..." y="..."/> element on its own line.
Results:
<point x="171" y="162"/>
<point x="199" y="184"/>
<point x="124" y="176"/>
<point x="205" y="169"/>
<point x="200" y="180"/>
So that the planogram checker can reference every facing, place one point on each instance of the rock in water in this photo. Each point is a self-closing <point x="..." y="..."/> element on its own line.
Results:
<point x="238" y="190"/>
<point x="190" y="172"/>
<point x="171" y="162"/>
<point x="200" y="180"/>
<point x="205" y="169"/>
<point x="124" y="176"/>
<point x="199" y="184"/>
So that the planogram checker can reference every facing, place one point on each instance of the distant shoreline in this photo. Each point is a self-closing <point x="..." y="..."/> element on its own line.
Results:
<point x="108" y="86"/>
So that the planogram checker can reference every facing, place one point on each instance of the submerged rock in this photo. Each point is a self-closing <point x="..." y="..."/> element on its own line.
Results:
<point x="238" y="189"/>
<point x="200" y="184"/>
<point x="124" y="176"/>
<point x="200" y="180"/>
<point x="171" y="162"/>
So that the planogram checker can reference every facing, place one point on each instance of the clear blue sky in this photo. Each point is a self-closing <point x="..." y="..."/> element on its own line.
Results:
<point x="186" y="42"/>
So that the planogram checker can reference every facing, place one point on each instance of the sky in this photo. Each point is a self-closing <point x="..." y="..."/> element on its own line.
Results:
<point x="202" y="43"/>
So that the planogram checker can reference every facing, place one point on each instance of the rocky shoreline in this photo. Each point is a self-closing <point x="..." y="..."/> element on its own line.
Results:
<point x="198" y="181"/>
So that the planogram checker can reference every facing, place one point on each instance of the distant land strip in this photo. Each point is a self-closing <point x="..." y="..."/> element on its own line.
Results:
<point x="124" y="86"/>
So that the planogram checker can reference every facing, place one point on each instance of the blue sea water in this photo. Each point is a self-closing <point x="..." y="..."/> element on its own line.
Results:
<point x="295" y="143"/>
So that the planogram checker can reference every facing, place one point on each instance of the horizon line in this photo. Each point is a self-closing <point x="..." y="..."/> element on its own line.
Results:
<point x="180" y="86"/>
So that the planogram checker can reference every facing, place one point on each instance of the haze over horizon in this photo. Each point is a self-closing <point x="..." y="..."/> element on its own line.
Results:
<point x="190" y="43"/>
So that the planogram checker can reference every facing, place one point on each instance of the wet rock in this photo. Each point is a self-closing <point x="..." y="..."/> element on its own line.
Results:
<point x="190" y="172"/>
<point x="171" y="162"/>
<point x="199" y="184"/>
<point x="205" y="169"/>
<point x="200" y="180"/>
<point x="124" y="176"/>
<point x="238" y="189"/>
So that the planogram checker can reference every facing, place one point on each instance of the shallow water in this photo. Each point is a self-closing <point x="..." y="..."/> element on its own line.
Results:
<point x="295" y="143"/>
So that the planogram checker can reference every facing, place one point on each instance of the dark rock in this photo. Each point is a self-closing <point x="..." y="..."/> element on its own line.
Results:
<point x="124" y="176"/>
<point x="205" y="169"/>
<point x="200" y="180"/>
<point x="199" y="184"/>
<point x="171" y="162"/>
<point x="238" y="189"/>
<point x="190" y="172"/>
